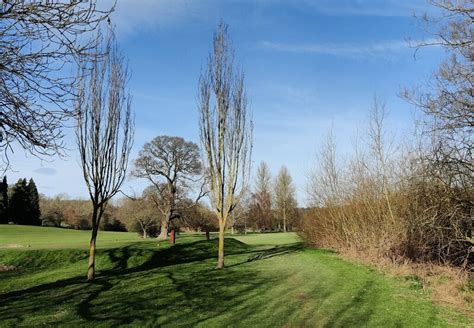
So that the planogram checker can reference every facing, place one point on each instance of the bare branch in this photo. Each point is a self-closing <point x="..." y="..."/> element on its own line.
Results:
<point x="40" y="42"/>
<point x="226" y="130"/>
<point x="105" y="128"/>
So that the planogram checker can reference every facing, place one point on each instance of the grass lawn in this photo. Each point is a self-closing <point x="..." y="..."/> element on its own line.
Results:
<point x="13" y="237"/>
<point x="271" y="280"/>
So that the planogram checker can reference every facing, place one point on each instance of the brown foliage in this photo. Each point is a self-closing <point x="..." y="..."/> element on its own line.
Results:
<point x="388" y="204"/>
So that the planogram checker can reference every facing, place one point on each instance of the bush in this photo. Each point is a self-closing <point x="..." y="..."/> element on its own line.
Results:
<point x="388" y="204"/>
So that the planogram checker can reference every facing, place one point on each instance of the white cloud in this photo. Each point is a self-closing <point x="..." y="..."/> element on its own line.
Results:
<point x="131" y="16"/>
<point x="344" y="49"/>
<point x="46" y="171"/>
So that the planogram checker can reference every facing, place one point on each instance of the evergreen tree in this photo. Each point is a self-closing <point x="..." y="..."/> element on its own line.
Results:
<point x="24" y="203"/>
<point x="33" y="209"/>
<point x="4" y="201"/>
<point x="19" y="203"/>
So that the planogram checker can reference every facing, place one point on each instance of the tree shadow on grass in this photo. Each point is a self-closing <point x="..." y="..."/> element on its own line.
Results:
<point x="354" y="312"/>
<point x="178" y="279"/>
<point x="179" y="286"/>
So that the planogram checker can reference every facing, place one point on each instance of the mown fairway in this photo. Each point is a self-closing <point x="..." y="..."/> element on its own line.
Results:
<point x="270" y="281"/>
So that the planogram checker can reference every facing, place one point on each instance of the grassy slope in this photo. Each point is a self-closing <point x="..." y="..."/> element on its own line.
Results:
<point x="13" y="237"/>
<point x="145" y="285"/>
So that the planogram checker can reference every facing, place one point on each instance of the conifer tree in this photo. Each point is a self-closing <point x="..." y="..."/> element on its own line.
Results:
<point x="33" y="209"/>
<point x="18" y="202"/>
<point x="4" y="201"/>
<point x="24" y="203"/>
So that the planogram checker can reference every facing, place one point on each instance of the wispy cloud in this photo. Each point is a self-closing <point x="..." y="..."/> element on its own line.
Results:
<point x="46" y="171"/>
<point x="131" y="16"/>
<point x="383" y="8"/>
<point x="344" y="49"/>
<point x="387" y="8"/>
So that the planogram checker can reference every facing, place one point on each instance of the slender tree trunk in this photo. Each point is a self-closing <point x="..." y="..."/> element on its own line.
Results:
<point x="233" y="223"/>
<point x="144" y="229"/>
<point x="95" y="228"/>
<point x="220" y="253"/>
<point x="172" y="237"/>
<point x="284" y="220"/>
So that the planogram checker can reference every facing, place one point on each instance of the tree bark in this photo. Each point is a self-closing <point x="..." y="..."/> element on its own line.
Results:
<point x="166" y="221"/>
<point x="284" y="220"/>
<point x="172" y="237"/>
<point x="164" y="229"/>
<point x="220" y="252"/>
<point x="91" y="267"/>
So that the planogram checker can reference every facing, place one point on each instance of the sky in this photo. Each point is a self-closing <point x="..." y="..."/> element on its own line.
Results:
<point x="310" y="65"/>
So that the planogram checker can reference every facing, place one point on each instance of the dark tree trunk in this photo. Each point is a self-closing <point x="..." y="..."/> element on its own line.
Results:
<point x="92" y="246"/>
<point x="172" y="237"/>
<point x="96" y="216"/>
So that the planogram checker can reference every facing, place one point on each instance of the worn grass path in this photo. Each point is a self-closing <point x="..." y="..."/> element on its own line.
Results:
<point x="270" y="280"/>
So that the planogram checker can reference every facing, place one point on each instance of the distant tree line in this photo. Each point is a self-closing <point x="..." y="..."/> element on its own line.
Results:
<point x="60" y="211"/>
<point x="137" y="214"/>
<point x="20" y="205"/>
<point x="270" y="206"/>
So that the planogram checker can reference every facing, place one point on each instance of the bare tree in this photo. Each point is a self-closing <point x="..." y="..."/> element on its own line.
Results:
<point x="139" y="213"/>
<point x="324" y="183"/>
<point x="284" y="195"/>
<point x="448" y="104"/>
<point x="171" y="164"/>
<point x="199" y="218"/>
<point x="448" y="100"/>
<point x="239" y="216"/>
<point x="262" y="198"/>
<point x="381" y="148"/>
<point x="104" y="130"/>
<point x="40" y="42"/>
<point x="226" y="131"/>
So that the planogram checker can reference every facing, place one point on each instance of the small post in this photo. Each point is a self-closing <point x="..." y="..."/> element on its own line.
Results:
<point x="172" y="237"/>
<point x="207" y="235"/>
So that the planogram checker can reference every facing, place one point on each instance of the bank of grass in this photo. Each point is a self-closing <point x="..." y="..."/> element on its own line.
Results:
<point x="269" y="281"/>
<point x="21" y="237"/>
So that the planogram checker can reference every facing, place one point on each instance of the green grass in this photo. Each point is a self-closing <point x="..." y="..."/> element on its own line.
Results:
<point x="270" y="280"/>
<point x="267" y="238"/>
<point x="20" y="237"/>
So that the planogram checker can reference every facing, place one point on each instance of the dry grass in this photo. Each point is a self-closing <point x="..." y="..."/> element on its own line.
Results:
<point x="6" y="268"/>
<point x="447" y="285"/>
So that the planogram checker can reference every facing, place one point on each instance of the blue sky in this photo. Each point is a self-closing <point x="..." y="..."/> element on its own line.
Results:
<point x="309" y="65"/>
